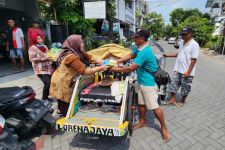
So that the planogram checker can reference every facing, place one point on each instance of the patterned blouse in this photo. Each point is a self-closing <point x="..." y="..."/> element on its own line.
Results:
<point x="40" y="62"/>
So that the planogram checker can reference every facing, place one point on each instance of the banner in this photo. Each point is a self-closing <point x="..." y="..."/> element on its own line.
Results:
<point x="95" y="10"/>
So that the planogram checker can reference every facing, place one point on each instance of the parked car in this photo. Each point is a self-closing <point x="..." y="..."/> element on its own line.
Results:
<point x="171" y="40"/>
<point x="178" y="42"/>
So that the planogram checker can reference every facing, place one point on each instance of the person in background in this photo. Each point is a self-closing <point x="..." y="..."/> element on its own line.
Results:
<point x="15" y="43"/>
<point x="145" y="62"/>
<point x="42" y="64"/>
<point x="3" y="45"/>
<point x="32" y="30"/>
<point x="72" y="62"/>
<point x="185" y="67"/>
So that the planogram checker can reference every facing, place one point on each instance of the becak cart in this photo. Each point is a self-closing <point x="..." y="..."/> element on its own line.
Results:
<point x="99" y="121"/>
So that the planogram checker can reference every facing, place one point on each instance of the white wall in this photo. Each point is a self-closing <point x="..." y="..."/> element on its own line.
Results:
<point x="120" y="10"/>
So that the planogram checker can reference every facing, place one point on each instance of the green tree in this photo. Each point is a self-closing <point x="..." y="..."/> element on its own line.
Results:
<point x="178" y="15"/>
<point x="71" y="12"/>
<point x="168" y="31"/>
<point x="201" y="27"/>
<point x="154" y="22"/>
<point x="110" y="14"/>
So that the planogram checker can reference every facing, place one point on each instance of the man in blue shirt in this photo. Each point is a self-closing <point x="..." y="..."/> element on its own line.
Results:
<point x="144" y="62"/>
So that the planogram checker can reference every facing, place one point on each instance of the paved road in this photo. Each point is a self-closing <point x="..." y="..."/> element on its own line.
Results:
<point x="199" y="125"/>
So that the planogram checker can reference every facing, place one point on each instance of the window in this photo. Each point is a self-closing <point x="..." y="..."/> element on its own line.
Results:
<point x="130" y="5"/>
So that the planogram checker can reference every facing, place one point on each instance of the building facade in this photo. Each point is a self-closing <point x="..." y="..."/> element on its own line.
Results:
<point x="217" y="14"/>
<point x="21" y="10"/>
<point x="125" y="18"/>
<point x="142" y="9"/>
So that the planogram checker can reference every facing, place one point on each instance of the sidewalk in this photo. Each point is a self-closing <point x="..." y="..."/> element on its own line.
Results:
<point x="6" y="69"/>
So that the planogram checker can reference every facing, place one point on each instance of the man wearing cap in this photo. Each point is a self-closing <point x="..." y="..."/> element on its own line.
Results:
<point x="185" y="67"/>
<point x="35" y="29"/>
<point x="144" y="62"/>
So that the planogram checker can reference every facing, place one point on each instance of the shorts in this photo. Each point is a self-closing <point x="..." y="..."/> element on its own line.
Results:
<point x="148" y="95"/>
<point x="179" y="81"/>
<point x="17" y="52"/>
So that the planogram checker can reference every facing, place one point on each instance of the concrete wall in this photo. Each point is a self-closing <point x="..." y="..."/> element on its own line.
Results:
<point x="32" y="9"/>
<point x="18" y="9"/>
<point x="29" y="7"/>
<point x="14" y="4"/>
<point x="7" y="13"/>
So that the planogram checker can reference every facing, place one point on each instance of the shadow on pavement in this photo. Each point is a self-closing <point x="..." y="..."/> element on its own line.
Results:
<point x="100" y="142"/>
<point x="6" y="69"/>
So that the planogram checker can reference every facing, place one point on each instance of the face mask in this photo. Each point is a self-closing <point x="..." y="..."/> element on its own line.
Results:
<point x="40" y="45"/>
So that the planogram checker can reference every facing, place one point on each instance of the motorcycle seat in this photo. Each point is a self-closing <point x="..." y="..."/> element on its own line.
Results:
<point x="14" y="92"/>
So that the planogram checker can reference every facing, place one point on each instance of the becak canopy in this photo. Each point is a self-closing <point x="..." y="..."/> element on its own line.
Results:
<point x="109" y="50"/>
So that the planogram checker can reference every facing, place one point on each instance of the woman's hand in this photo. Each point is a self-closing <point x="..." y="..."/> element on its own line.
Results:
<point x="50" y="58"/>
<point x="98" y="61"/>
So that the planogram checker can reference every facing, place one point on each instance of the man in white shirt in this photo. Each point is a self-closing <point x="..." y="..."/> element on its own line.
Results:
<point x="15" y="43"/>
<point x="185" y="67"/>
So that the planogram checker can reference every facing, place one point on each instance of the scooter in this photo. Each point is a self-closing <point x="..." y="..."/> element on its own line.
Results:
<point x="8" y="141"/>
<point x="23" y="112"/>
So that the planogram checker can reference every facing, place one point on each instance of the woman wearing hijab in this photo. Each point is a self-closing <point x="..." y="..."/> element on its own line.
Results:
<point x="42" y="64"/>
<point x="72" y="63"/>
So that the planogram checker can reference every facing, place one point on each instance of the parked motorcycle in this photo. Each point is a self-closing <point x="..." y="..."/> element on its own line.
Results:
<point x="23" y="112"/>
<point x="8" y="140"/>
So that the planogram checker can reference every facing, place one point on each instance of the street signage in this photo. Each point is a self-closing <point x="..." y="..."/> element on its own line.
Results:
<point x="95" y="9"/>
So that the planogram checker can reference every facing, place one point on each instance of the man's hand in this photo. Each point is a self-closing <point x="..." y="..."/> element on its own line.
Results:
<point x="170" y="55"/>
<point x="164" y="55"/>
<point x="115" y="69"/>
<point x="23" y="47"/>
<point x="186" y="74"/>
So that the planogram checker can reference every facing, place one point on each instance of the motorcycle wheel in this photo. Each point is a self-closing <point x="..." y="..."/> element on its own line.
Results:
<point x="44" y="127"/>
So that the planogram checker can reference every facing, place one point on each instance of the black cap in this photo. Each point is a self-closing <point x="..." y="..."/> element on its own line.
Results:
<point x="142" y="33"/>
<point x="186" y="30"/>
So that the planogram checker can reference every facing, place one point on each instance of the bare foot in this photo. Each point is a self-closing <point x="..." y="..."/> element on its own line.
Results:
<point x="165" y="135"/>
<point x="171" y="103"/>
<point x="140" y="125"/>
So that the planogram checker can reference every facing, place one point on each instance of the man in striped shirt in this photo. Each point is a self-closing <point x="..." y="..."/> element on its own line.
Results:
<point x="15" y="43"/>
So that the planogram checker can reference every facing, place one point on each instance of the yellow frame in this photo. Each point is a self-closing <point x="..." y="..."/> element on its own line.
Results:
<point x="91" y="128"/>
